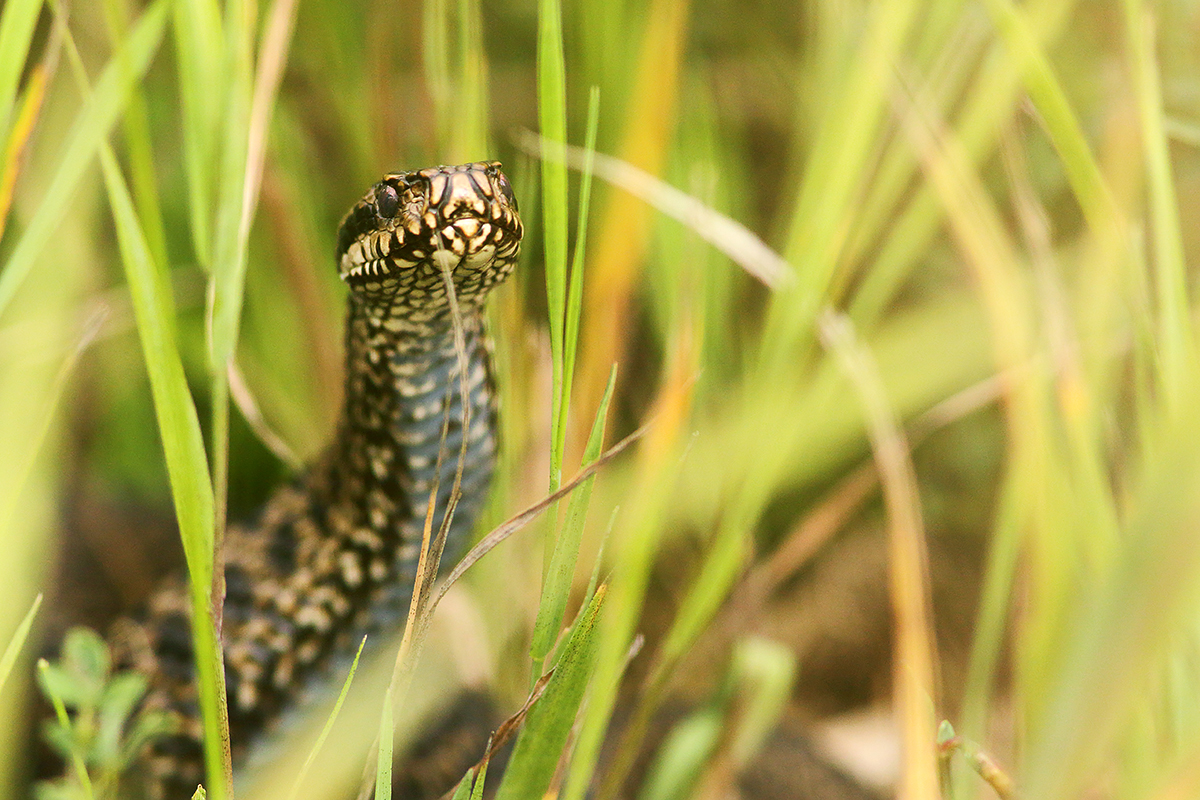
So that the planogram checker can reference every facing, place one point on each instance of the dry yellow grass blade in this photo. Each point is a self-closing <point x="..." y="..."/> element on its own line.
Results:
<point x="914" y="669"/>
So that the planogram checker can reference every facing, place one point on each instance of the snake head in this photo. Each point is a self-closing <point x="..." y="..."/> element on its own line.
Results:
<point x="395" y="241"/>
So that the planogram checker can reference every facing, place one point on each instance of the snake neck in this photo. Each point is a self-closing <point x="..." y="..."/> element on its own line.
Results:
<point x="403" y="387"/>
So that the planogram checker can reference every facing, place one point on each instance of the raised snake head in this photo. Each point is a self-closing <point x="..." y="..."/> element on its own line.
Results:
<point x="395" y="242"/>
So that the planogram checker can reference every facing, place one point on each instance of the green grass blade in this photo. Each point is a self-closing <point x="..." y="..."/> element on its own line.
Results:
<point x="178" y="423"/>
<point x="472" y="132"/>
<point x="480" y="779"/>
<point x="456" y="76"/>
<point x="200" y="59"/>
<point x="557" y="586"/>
<point x="91" y="127"/>
<point x="18" y="641"/>
<point x="136" y="127"/>
<point x="548" y="724"/>
<point x="187" y="466"/>
<point x="229" y="264"/>
<point x="574" y="299"/>
<point x="16" y="32"/>
<point x="992" y="98"/>
<point x="1176" y="345"/>
<point x="333" y="715"/>
<point x="825" y="207"/>
<point x="552" y="121"/>
<point x="1082" y="169"/>
<point x="252" y="99"/>
<point x="383" y="767"/>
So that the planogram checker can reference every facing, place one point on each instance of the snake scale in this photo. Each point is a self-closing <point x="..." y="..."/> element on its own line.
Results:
<point x="337" y="549"/>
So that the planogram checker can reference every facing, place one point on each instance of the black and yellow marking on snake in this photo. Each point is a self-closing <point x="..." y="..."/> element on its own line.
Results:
<point x="335" y="552"/>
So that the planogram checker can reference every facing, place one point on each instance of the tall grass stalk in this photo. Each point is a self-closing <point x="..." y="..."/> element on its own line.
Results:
<point x="552" y="120"/>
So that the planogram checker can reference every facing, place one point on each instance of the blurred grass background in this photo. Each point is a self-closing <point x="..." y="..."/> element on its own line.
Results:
<point x="1000" y="199"/>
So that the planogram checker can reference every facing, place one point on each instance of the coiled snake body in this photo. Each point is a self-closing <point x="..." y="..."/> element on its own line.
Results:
<point x="338" y="548"/>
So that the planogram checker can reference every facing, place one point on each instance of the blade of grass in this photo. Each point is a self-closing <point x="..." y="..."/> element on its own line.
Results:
<point x="825" y="207"/>
<point x="252" y="96"/>
<point x="232" y="216"/>
<point x="575" y="284"/>
<point x="480" y="778"/>
<point x="623" y="224"/>
<point x="333" y="715"/>
<point x="465" y="786"/>
<point x="182" y="440"/>
<point x="540" y="744"/>
<point x="272" y="58"/>
<point x="26" y="119"/>
<point x="200" y="57"/>
<point x="456" y="76"/>
<point x="634" y="550"/>
<point x="914" y="671"/>
<point x="18" y="641"/>
<point x="552" y="120"/>
<point x="136" y="127"/>
<point x="556" y="588"/>
<point x="1066" y="132"/>
<point x="383" y="766"/>
<point x="187" y="466"/>
<point x="991" y="100"/>
<point x="90" y="128"/>
<point x="16" y="32"/>
<point x="1110" y="238"/>
<point x="721" y="231"/>
<point x="1175" y="340"/>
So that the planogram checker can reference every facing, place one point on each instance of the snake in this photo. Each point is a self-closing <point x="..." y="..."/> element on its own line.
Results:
<point x="335" y="551"/>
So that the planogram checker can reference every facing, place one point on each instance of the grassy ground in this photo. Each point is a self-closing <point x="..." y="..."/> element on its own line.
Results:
<point x="981" y="339"/>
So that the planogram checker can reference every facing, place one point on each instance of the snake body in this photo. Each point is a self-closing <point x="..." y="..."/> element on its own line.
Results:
<point x="337" y="549"/>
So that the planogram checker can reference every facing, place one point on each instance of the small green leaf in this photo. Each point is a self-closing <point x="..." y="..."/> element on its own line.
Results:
<point x="119" y="699"/>
<point x="60" y="739"/>
<point x="945" y="732"/>
<point x="57" y="681"/>
<point x="84" y="649"/>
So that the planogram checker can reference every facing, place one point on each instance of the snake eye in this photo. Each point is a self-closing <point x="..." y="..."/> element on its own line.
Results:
<point x="506" y="188"/>
<point x="387" y="201"/>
